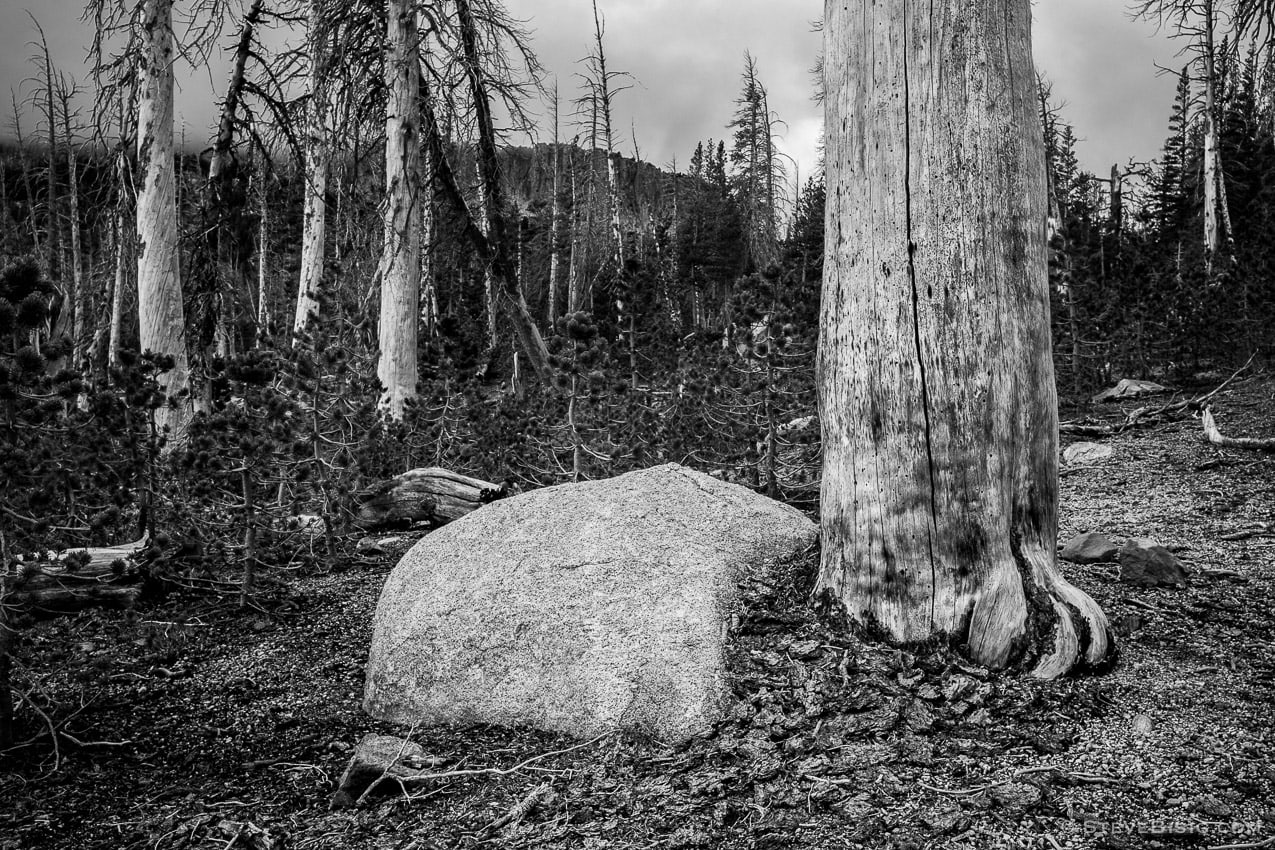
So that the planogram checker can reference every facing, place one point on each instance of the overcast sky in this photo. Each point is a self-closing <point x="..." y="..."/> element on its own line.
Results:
<point x="686" y="57"/>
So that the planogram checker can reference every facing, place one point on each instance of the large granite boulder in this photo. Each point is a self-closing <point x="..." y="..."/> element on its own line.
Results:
<point x="583" y="608"/>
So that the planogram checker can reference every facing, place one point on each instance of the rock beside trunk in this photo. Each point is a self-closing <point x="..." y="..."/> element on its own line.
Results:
<point x="1145" y="563"/>
<point x="1080" y="454"/>
<point x="1091" y="548"/>
<point x="583" y="608"/>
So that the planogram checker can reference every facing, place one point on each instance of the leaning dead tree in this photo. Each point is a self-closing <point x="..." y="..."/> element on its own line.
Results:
<point x="474" y="41"/>
<point x="936" y="382"/>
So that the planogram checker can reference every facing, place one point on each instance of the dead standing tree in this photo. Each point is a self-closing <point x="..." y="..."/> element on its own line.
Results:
<point x="940" y="482"/>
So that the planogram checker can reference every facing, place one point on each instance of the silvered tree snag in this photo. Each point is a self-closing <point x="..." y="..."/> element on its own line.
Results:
<point x="314" y="221"/>
<point x="400" y="259"/>
<point x="936" y="382"/>
<point x="161" y="315"/>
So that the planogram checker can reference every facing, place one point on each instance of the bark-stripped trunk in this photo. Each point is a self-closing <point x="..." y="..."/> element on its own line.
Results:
<point x="263" y="256"/>
<point x="316" y="177"/>
<point x="1212" y="170"/>
<point x="555" y="221"/>
<point x="123" y="255"/>
<point x="936" y="380"/>
<point x="161" y="317"/>
<point x="218" y="175"/>
<point x="36" y="243"/>
<point x="79" y="295"/>
<point x="400" y="260"/>
<point x="604" y="108"/>
<point x="573" y="257"/>
<point x="490" y="302"/>
<point x="54" y="264"/>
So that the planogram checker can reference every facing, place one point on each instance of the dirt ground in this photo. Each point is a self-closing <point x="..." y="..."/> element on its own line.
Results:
<point x="190" y="725"/>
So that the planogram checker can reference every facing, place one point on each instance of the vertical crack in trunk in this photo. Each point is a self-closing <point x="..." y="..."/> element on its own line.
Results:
<point x="916" y="301"/>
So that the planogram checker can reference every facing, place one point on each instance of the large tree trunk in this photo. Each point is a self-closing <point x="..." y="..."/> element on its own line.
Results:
<point x="316" y="177"/>
<point x="936" y="381"/>
<point x="161" y="317"/>
<point x="400" y="261"/>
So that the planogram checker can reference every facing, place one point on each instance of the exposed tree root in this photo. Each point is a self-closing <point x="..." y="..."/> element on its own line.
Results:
<point x="1214" y="436"/>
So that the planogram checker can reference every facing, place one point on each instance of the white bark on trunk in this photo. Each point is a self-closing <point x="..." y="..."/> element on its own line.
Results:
<point x="123" y="242"/>
<point x="316" y="178"/>
<point x="79" y="295"/>
<point x="1212" y="172"/>
<point x="604" y="108"/>
<point x="400" y="261"/>
<point x="573" y="257"/>
<point x="936" y="381"/>
<point x="555" y="222"/>
<point x="263" y="256"/>
<point x="161" y="318"/>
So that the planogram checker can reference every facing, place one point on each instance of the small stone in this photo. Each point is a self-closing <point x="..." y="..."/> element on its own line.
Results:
<point x="1093" y="547"/>
<point x="382" y="760"/>
<point x="1141" y="724"/>
<point x="1084" y="454"/>
<point x="1145" y="563"/>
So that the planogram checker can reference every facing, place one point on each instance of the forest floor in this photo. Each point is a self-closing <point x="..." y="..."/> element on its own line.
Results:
<point x="191" y="725"/>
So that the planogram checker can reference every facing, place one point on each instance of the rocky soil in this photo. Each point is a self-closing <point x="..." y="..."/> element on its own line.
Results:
<point x="191" y="725"/>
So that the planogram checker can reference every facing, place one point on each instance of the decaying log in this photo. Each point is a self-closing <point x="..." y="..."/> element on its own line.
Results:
<point x="431" y="495"/>
<point x="70" y="581"/>
<point x="1214" y="436"/>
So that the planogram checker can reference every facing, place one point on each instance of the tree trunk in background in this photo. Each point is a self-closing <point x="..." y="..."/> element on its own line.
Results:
<point x="161" y="318"/>
<point x="124" y="242"/>
<point x="219" y="194"/>
<point x="316" y="176"/>
<point x="573" y="257"/>
<point x="502" y="263"/>
<point x="555" y="223"/>
<point x="490" y="303"/>
<point x="936" y="381"/>
<point x="263" y="254"/>
<point x="604" y="108"/>
<point x="79" y="294"/>
<point x="400" y="260"/>
<point x="1212" y="171"/>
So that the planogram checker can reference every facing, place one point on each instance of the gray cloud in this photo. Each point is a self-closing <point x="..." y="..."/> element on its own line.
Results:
<point x="686" y="57"/>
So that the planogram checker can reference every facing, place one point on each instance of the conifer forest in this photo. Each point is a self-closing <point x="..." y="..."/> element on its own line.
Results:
<point x="404" y="458"/>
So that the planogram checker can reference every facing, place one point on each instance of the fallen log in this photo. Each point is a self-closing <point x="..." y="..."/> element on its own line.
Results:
<point x="431" y="495"/>
<point x="1217" y="438"/>
<point x="75" y="579"/>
